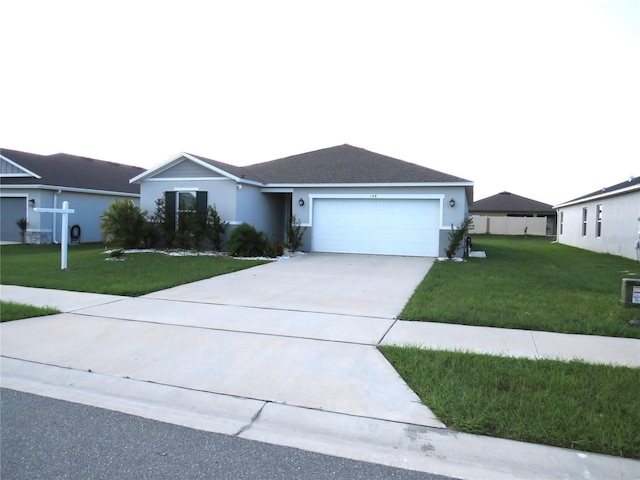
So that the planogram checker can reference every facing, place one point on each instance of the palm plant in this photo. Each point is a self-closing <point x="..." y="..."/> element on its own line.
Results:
<point x="22" y="225"/>
<point x="123" y="224"/>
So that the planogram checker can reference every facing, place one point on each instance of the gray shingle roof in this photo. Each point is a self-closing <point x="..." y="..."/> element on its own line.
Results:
<point x="344" y="164"/>
<point x="509" y="203"/>
<point x="63" y="170"/>
<point x="240" y="172"/>
<point x="632" y="181"/>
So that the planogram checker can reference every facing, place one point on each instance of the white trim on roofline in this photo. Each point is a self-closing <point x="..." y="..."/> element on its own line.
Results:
<point x="186" y="156"/>
<point x="277" y="190"/>
<point x="612" y="193"/>
<point x="14" y="195"/>
<point x="160" y="167"/>
<point x="201" y="179"/>
<point x="69" y="189"/>
<point x="27" y="173"/>
<point x="189" y="179"/>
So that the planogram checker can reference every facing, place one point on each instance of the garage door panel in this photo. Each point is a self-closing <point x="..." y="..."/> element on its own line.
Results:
<point x="376" y="226"/>
<point x="11" y="210"/>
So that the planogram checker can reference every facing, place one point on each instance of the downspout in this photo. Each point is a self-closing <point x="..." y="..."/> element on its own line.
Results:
<point x="55" y="205"/>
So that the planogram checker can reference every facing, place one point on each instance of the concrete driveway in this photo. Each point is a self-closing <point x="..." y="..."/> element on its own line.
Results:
<point x="360" y="285"/>
<point x="298" y="333"/>
<point x="284" y="353"/>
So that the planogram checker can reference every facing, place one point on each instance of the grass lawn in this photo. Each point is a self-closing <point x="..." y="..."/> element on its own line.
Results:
<point x="89" y="271"/>
<point x="529" y="284"/>
<point x="593" y="408"/>
<point x="524" y="283"/>
<point x="15" y="311"/>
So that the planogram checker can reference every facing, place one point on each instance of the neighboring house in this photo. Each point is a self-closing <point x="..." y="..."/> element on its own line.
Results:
<point x="606" y="221"/>
<point x="509" y="214"/>
<point x="29" y="181"/>
<point x="349" y="199"/>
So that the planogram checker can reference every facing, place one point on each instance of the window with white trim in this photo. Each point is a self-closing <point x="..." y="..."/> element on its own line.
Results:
<point x="181" y="203"/>
<point x="599" y="220"/>
<point x="584" y="222"/>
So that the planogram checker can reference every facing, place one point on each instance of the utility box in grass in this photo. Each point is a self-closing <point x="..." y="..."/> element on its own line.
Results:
<point x="630" y="292"/>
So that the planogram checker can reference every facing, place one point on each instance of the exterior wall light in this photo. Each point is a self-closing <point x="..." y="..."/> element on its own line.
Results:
<point x="32" y="202"/>
<point x="452" y="203"/>
<point x="301" y="202"/>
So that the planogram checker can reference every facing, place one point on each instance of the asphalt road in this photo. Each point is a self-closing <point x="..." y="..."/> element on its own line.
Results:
<point x="45" y="438"/>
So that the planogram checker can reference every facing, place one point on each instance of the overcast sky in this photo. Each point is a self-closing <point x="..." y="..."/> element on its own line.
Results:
<point x="539" y="98"/>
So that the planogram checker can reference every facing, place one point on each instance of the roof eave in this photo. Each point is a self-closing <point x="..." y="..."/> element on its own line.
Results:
<point x="33" y="186"/>
<point x="26" y="171"/>
<point x="590" y="198"/>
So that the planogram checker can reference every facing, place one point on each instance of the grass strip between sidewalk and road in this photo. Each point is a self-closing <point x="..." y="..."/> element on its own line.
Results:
<point x="531" y="284"/>
<point x="16" y="311"/>
<point x="574" y="405"/>
<point x="90" y="270"/>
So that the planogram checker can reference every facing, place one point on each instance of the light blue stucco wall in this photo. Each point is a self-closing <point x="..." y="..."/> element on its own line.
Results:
<point x="220" y="193"/>
<point x="88" y="208"/>
<point x="267" y="212"/>
<point x="620" y="224"/>
<point x="268" y="209"/>
<point x="448" y="215"/>
<point x="236" y="203"/>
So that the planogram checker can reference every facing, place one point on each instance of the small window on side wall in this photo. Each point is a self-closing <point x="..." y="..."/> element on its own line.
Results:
<point x="599" y="220"/>
<point x="584" y="222"/>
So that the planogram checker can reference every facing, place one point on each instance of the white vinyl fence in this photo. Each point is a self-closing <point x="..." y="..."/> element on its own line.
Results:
<point x="509" y="225"/>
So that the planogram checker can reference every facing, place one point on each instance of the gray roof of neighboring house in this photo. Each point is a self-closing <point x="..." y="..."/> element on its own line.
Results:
<point x="506" y="202"/>
<point x="631" y="182"/>
<point x="63" y="170"/>
<point x="344" y="164"/>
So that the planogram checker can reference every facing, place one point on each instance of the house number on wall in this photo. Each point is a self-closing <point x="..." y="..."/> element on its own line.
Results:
<point x="373" y="196"/>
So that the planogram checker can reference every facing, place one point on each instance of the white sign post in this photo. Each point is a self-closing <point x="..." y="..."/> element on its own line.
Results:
<point x="65" y="211"/>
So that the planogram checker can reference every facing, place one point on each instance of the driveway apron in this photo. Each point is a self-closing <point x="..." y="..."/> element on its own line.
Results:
<point x="300" y="333"/>
<point x="360" y="285"/>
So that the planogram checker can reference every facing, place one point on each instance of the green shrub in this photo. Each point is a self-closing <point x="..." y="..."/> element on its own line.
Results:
<point x="151" y="233"/>
<point x="456" y="236"/>
<point x="294" y="234"/>
<point x="22" y="225"/>
<point x="275" y="250"/>
<point x="162" y="228"/>
<point x="123" y="224"/>
<point x="191" y="229"/>
<point x="215" y="228"/>
<point x="246" y="241"/>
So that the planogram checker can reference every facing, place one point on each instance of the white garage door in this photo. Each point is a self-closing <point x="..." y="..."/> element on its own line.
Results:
<point x="376" y="226"/>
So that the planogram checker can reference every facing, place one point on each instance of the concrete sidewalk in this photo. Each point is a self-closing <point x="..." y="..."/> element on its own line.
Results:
<point x="263" y="354"/>
<point x="516" y="343"/>
<point x="366" y="330"/>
